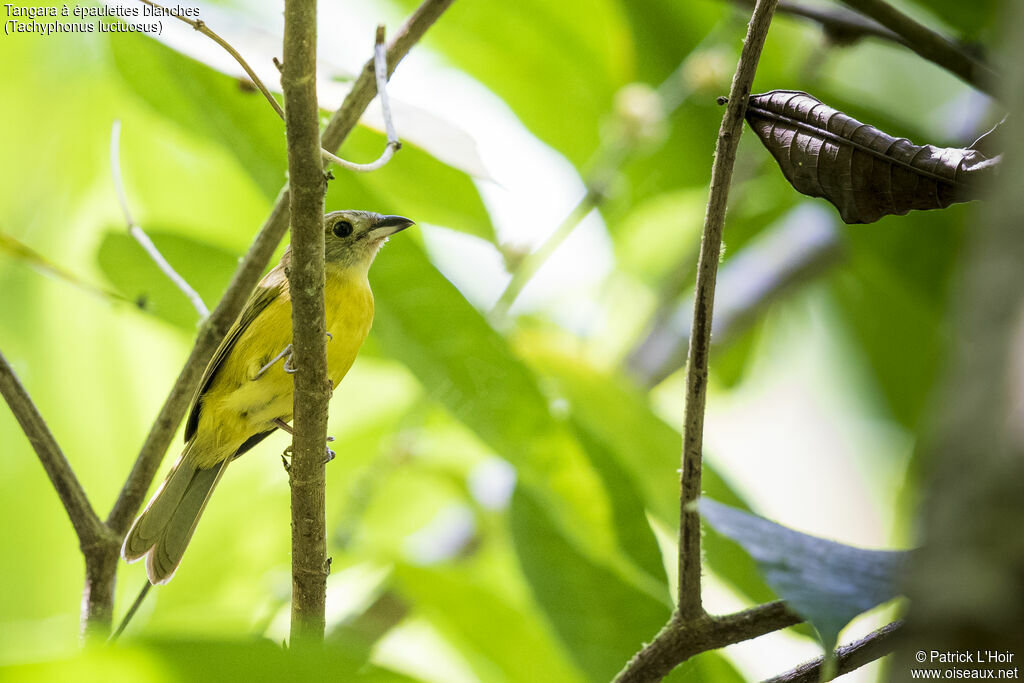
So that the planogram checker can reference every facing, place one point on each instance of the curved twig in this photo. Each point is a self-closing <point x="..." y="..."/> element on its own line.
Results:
<point x="140" y="235"/>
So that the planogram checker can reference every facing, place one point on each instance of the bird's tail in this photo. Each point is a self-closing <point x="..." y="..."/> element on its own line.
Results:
<point x="163" y="530"/>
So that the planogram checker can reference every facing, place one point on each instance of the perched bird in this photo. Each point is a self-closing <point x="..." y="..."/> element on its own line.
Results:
<point x="246" y="392"/>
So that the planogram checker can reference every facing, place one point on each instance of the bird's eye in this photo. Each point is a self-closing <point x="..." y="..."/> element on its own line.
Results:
<point x="342" y="229"/>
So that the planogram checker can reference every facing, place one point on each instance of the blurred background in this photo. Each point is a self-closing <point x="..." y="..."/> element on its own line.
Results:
<point x="504" y="502"/>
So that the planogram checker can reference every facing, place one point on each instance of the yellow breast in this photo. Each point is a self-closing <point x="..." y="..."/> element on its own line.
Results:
<point x="243" y="401"/>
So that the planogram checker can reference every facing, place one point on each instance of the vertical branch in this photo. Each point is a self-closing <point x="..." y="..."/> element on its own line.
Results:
<point x="690" y="605"/>
<point x="306" y="279"/>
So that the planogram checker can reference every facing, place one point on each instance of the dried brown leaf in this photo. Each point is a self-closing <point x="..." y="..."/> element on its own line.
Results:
<point x="864" y="172"/>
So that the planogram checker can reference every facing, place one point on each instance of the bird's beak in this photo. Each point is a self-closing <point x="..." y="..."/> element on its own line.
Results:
<point x="389" y="225"/>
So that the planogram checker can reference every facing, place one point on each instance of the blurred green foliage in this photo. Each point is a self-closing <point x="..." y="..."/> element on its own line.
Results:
<point x="565" y="579"/>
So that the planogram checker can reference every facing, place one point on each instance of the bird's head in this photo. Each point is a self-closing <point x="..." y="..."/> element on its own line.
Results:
<point x="353" y="238"/>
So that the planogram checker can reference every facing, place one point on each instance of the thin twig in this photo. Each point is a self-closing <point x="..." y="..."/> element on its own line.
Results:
<point x="533" y="262"/>
<point x="248" y="273"/>
<point x="126" y="619"/>
<point x="691" y="630"/>
<point x="91" y="531"/>
<point x="393" y="145"/>
<point x="201" y="26"/>
<point x="140" y="235"/>
<point x="703" y="307"/>
<point x="306" y="475"/>
<point x="380" y="70"/>
<point x="931" y="45"/>
<point x="852" y="656"/>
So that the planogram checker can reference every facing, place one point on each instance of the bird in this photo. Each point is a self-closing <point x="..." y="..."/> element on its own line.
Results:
<point x="246" y="391"/>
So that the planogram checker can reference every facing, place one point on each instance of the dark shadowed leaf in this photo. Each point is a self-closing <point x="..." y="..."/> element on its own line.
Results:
<point x="827" y="583"/>
<point x="646" y="450"/>
<point x="601" y="619"/>
<point x="865" y="173"/>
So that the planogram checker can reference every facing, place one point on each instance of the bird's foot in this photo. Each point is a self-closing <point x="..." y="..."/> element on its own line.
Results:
<point x="288" y="365"/>
<point x="287" y="362"/>
<point x="329" y="454"/>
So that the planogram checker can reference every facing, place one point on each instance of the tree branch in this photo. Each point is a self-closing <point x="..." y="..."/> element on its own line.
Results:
<point x="691" y="630"/>
<point x="88" y="527"/>
<point x="689" y="606"/>
<point x="309" y="336"/>
<point x="931" y="45"/>
<point x="841" y="26"/>
<point x="679" y="640"/>
<point x="249" y="273"/>
<point x="852" y="656"/>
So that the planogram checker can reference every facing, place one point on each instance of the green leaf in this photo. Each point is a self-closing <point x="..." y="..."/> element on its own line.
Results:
<point x="210" y="104"/>
<point x="134" y="274"/>
<point x="646" y="449"/>
<point x="602" y="619"/>
<point x="425" y="323"/>
<point x="501" y="640"/>
<point x="204" y="660"/>
<point x="968" y="20"/>
<point x="827" y="583"/>
<point x="206" y="103"/>
<point x="628" y="510"/>
<point x="894" y="292"/>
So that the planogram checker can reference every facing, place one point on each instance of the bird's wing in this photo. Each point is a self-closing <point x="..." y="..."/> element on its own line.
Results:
<point x="273" y="285"/>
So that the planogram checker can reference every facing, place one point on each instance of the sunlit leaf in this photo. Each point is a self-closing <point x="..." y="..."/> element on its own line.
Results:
<point x="413" y="184"/>
<point x="130" y="269"/>
<point x="156" y="661"/>
<point x="501" y="640"/>
<point x="424" y="322"/>
<point x="209" y="103"/>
